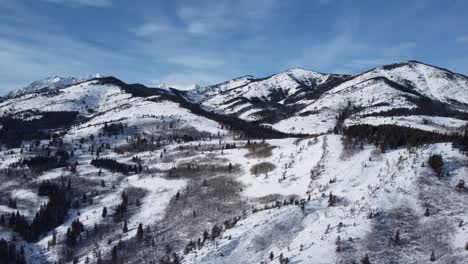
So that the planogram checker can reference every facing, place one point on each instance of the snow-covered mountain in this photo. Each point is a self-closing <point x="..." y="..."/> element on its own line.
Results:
<point x="296" y="167"/>
<point x="252" y="99"/>
<point x="54" y="82"/>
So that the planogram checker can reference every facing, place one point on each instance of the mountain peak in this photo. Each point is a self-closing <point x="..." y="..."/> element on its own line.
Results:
<point x="51" y="82"/>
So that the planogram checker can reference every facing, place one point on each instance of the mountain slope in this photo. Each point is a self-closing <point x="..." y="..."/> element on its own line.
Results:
<point x="303" y="166"/>
<point x="251" y="99"/>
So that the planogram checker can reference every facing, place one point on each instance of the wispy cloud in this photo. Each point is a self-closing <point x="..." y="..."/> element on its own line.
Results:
<point x="205" y="20"/>
<point x="347" y="53"/>
<point x="196" y="62"/>
<point x="91" y="3"/>
<point x="462" y="39"/>
<point x="221" y="16"/>
<point x="188" y="80"/>
<point x="153" y="27"/>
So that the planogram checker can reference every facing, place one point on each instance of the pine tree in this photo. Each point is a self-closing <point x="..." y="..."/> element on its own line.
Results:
<point x="115" y="255"/>
<point x="432" y="258"/>
<point x="366" y="260"/>
<point x="177" y="195"/>
<point x="104" y="212"/>
<point x="140" y="232"/>
<point x="272" y="256"/>
<point x="125" y="228"/>
<point x="397" y="236"/>
<point x="461" y="185"/>
<point x="54" y="238"/>
<point x="205" y="235"/>
<point x="331" y="199"/>
<point x="427" y="213"/>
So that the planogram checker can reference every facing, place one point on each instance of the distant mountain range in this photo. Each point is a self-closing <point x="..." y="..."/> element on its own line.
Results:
<point x="296" y="101"/>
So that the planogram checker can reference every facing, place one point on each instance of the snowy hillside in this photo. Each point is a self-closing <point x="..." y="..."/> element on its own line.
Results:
<point x="297" y="167"/>
<point x="248" y="97"/>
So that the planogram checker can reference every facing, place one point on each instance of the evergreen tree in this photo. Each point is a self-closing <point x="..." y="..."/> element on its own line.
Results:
<point x="115" y="255"/>
<point x="366" y="260"/>
<point x="272" y="256"/>
<point x="104" y="212"/>
<point x="432" y="258"/>
<point x="427" y="213"/>
<point x="397" y="236"/>
<point x="205" y="235"/>
<point x="125" y="228"/>
<point x="140" y="232"/>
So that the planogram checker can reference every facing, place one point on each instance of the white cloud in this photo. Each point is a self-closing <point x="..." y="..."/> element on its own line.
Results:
<point x="197" y="62"/>
<point x="187" y="81"/>
<point x="92" y="3"/>
<point x="462" y="39"/>
<point x="151" y="28"/>
<point x="213" y="17"/>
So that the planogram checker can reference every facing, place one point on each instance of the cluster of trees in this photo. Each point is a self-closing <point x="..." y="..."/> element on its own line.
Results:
<point x="55" y="211"/>
<point x="462" y="142"/>
<point x="120" y="209"/>
<point x="343" y="115"/>
<point x="115" y="166"/>
<point x="12" y="203"/>
<point x="14" y="130"/>
<point x="437" y="163"/>
<point x="332" y="199"/>
<point x="47" y="162"/>
<point x="9" y="253"/>
<point x="49" y="216"/>
<point x="392" y="136"/>
<point x="113" y="129"/>
<point x="15" y="221"/>
<point x="216" y="232"/>
<point x="73" y="232"/>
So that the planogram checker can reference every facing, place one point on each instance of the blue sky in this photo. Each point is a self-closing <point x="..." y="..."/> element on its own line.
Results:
<point x="206" y="41"/>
